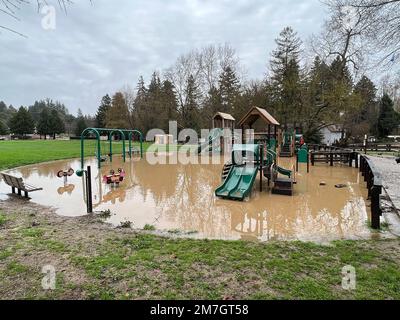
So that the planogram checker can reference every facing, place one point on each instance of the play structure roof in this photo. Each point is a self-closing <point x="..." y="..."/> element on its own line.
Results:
<point x="225" y="116"/>
<point x="254" y="114"/>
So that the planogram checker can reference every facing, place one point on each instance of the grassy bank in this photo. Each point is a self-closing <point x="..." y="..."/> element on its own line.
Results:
<point x="18" y="153"/>
<point x="94" y="261"/>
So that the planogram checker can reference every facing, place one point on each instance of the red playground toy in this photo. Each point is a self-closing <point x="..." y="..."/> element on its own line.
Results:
<point x="113" y="177"/>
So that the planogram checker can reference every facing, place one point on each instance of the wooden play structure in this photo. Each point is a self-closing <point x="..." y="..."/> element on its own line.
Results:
<point x="223" y="121"/>
<point x="265" y="126"/>
<point x="217" y="140"/>
<point x="287" y="143"/>
<point x="260" y="133"/>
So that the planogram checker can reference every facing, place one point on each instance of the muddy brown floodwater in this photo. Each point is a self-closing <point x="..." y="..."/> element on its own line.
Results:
<point x="181" y="197"/>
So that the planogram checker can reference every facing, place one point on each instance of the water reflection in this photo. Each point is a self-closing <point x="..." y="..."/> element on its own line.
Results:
<point x="182" y="197"/>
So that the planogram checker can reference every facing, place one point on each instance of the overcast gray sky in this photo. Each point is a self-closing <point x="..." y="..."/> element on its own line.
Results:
<point x="100" y="48"/>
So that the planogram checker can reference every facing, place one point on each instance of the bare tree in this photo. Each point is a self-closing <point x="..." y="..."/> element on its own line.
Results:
<point x="205" y="65"/>
<point x="384" y="28"/>
<point x="344" y="34"/>
<point x="361" y="29"/>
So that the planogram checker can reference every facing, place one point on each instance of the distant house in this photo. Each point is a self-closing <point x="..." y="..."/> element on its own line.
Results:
<point x="331" y="134"/>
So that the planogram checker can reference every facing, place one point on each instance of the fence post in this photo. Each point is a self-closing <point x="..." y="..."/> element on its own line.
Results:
<point x="375" y="206"/>
<point x="89" y="202"/>
<point x="355" y="155"/>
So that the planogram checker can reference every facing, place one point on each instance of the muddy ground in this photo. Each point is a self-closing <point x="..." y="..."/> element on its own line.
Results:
<point x="94" y="260"/>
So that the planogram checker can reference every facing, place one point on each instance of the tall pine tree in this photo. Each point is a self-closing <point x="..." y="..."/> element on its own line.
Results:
<point x="286" y="79"/>
<point x="101" y="114"/>
<point x="22" y="122"/>
<point x="118" y="115"/>
<point x="190" y="113"/>
<point x="229" y="89"/>
<point x="388" y="118"/>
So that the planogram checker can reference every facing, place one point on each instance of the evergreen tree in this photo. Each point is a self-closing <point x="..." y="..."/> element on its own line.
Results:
<point x="6" y="112"/>
<point x="212" y="105"/>
<point x="154" y="107"/>
<point x="340" y="95"/>
<point x="286" y="82"/>
<point x="229" y="87"/>
<point x="364" y="120"/>
<point x="118" y="115"/>
<point x="22" y="122"/>
<point x="3" y="128"/>
<point x="169" y="103"/>
<point x="140" y="103"/>
<point x="56" y="124"/>
<point x="190" y="112"/>
<point x="43" y="126"/>
<point x="101" y="114"/>
<point x="388" y="118"/>
<point x="80" y="123"/>
<point x="316" y="110"/>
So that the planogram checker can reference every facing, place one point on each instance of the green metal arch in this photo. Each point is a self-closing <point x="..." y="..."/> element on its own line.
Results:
<point x="84" y="133"/>
<point x="110" y="135"/>
<point x="111" y="132"/>
<point x="131" y="132"/>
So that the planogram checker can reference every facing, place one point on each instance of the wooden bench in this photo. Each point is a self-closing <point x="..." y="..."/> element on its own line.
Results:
<point x="18" y="183"/>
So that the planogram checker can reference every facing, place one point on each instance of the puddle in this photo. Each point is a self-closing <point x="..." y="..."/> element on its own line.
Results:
<point x="181" y="197"/>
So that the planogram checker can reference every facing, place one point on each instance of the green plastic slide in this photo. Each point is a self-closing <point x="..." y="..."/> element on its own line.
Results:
<point x="238" y="184"/>
<point x="284" y="171"/>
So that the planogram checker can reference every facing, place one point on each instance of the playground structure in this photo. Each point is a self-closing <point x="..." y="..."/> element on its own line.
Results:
<point x="288" y="143"/>
<point x="260" y="131"/>
<point x="216" y="140"/>
<point x="247" y="161"/>
<point x="110" y="133"/>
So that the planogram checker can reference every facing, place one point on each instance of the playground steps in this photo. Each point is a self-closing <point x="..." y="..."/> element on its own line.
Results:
<point x="225" y="170"/>
<point x="267" y="173"/>
<point x="283" y="186"/>
<point x="285" y="151"/>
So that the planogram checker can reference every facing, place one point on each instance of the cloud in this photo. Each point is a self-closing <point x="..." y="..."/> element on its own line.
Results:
<point x="97" y="49"/>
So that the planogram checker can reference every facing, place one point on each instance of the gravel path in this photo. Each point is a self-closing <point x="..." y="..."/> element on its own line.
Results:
<point x="390" y="174"/>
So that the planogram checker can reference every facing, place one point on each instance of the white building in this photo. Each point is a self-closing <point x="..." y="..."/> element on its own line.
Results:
<point x="331" y="134"/>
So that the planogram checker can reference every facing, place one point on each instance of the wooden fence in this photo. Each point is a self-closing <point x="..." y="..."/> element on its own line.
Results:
<point x="375" y="147"/>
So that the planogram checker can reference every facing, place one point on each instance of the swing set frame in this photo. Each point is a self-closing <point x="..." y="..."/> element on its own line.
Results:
<point x="98" y="132"/>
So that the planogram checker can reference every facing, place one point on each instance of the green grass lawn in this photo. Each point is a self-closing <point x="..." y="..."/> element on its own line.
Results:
<point x="18" y="153"/>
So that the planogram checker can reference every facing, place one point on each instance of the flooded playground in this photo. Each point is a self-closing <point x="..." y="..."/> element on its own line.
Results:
<point x="177" y="197"/>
